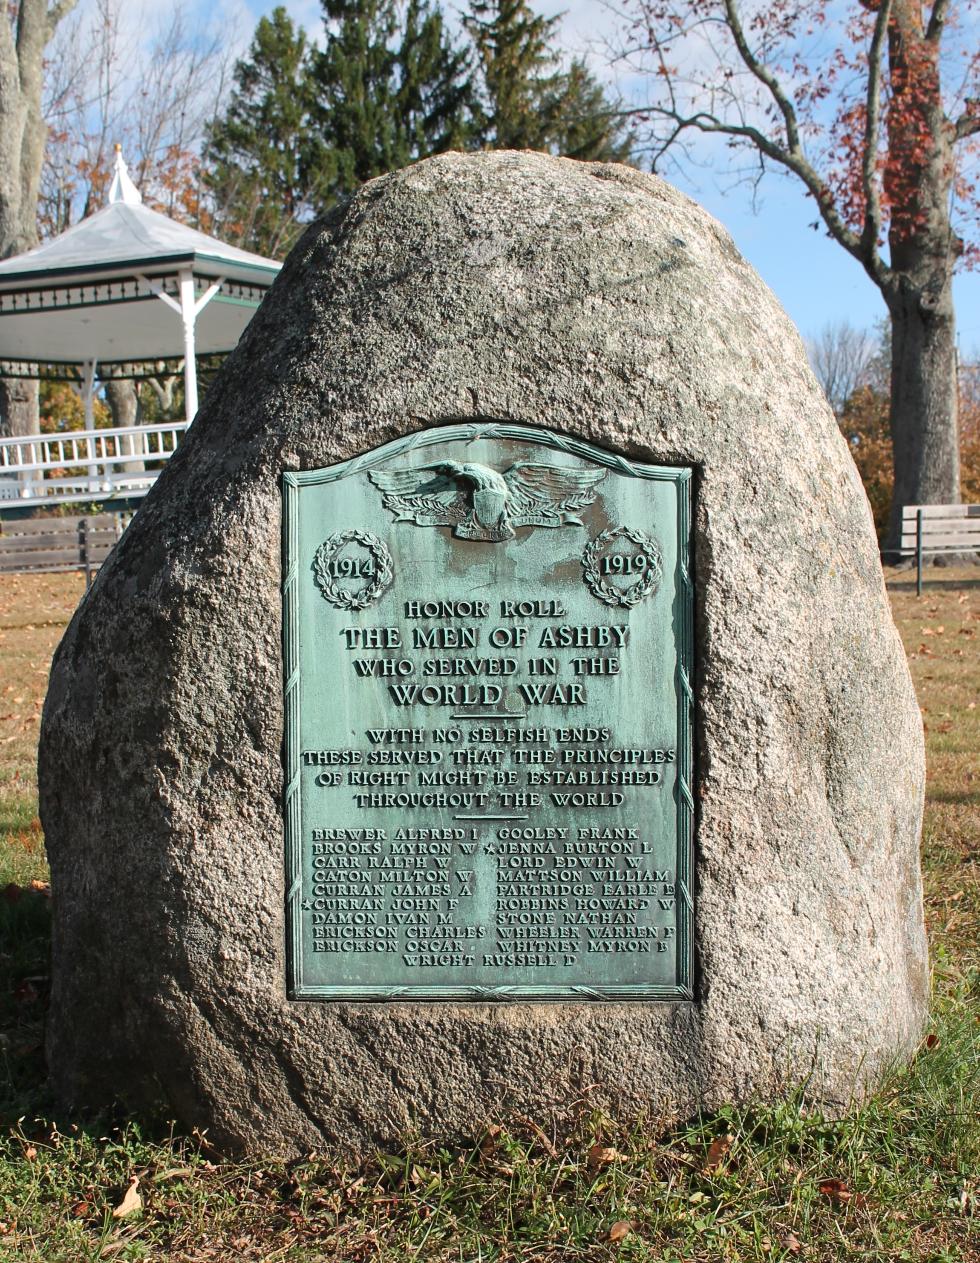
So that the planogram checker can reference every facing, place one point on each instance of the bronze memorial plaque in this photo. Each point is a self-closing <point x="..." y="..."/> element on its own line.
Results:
<point x="488" y="642"/>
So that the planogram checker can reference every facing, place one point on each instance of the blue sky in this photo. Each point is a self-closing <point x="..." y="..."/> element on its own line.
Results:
<point x="814" y="279"/>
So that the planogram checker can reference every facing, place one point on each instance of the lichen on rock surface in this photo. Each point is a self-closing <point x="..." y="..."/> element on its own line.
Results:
<point x="588" y="299"/>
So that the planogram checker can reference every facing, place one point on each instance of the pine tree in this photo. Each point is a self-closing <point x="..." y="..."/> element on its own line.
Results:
<point x="586" y="123"/>
<point x="528" y="100"/>
<point x="436" y="92"/>
<point x="263" y="172"/>
<point x="389" y="89"/>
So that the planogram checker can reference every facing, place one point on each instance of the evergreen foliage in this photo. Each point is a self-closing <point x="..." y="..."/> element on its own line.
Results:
<point x="259" y="158"/>
<point x="390" y="88"/>
<point x="307" y="125"/>
<point x="528" y="101"/>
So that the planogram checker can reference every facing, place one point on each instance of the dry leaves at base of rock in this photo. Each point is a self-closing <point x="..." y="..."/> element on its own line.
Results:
<point x="600" y="1156"/>
<point x="620" y="1229"/>
<point x="718" y="1151"/>
<point x="131" y="1202"/>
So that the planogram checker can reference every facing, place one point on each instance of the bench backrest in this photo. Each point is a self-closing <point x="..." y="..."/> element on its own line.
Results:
<point x="51" y="544"/>
<point x="946" y="528"/>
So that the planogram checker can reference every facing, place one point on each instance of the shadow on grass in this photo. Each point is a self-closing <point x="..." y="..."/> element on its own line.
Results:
<point x="961" y="797"/>
<point x="25" y="986"/>
<point x="932" y="581"/>
<point x="25" y="950"/>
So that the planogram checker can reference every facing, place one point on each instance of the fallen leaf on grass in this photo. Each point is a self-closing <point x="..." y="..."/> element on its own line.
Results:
<point x="791" y="1243"/>
<point x="600" y="1156"/>
<point x="489" y="1142"/>
<point x="620" y="1229"/>
<point x="932" y="1040"/>
<point x="717" y="1151"/>
<point x="836" y="1190"/>
<point x="131" y="1201"/>
<point x="543" y="1140"/>
<point x="30" y="1153"/>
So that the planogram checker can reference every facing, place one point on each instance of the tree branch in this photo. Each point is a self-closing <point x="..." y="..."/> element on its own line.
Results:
<point x="8" y="50"/>
<point x="60" y="9"/>
<point x="937" y="20"/>
<point x="765" y="76"/>
<point x="968" y="123"/>
<point x="872" y="262"/>
<point x="872" y="120"/>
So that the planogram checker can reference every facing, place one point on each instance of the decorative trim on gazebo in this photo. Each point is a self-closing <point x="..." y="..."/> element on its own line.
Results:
<point x="130" y="290"/>
<point x="121" y="370"/>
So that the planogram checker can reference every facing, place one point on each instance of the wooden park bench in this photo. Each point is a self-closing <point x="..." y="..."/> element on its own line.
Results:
<point x="929" y="530"/>
<point x="35" y="545"/>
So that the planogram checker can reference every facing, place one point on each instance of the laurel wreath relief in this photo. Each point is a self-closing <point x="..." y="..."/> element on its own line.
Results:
<point x="330" y="585"/>
<point x="650" y="573"/>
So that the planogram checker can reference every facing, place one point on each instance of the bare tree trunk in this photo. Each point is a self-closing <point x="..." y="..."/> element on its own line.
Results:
<point x="123" y="403"/>
<point x="18" y="407"/>
<point x="925" y="437"/>
<point x="22" y="138"/>
<point x="22" y="128"/>
<point x="19" y="418"/>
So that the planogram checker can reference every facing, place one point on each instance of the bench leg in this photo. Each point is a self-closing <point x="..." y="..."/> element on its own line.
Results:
<point x="918" y="553"/>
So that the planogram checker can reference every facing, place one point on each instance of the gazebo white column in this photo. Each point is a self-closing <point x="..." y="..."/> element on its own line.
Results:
<point x="88" y="393"/>
<point x="88" y="403"/>
<point x="188" y="308"/>
<point x="188" y="314"/>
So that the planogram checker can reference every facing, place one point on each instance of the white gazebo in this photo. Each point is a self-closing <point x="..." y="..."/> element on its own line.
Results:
<point x="113" y="296"/>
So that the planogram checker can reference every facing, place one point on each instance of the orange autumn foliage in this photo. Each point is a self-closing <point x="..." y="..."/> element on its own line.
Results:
<point x="61" y="408"/>
<point x="864" y="424"/>
<point x="970" y="435"/>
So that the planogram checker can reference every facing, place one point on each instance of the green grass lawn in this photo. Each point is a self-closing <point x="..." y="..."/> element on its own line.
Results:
<point x="898" y="1178"/>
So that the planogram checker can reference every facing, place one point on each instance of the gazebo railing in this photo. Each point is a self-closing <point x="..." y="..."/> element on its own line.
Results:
<point x="72" y="466"/>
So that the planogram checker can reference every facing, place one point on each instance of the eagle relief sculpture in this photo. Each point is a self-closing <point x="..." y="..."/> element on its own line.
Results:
<point x="480" y="503"/>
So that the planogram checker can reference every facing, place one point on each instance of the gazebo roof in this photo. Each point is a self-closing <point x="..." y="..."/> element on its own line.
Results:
<point x="124" y="237"/>
<point x="93" y="293"/>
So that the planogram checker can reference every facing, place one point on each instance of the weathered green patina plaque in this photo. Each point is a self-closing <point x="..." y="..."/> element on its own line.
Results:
<point x="488" y="636"/>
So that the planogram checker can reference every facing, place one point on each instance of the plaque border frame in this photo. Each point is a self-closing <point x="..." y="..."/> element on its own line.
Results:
<point x="292" y="483"/>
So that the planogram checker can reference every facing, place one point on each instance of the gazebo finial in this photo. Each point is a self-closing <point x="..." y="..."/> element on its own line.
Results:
<point x="122" y="188"/>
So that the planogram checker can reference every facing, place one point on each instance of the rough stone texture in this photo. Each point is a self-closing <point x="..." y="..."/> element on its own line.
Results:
<point x="586" y="298"/>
